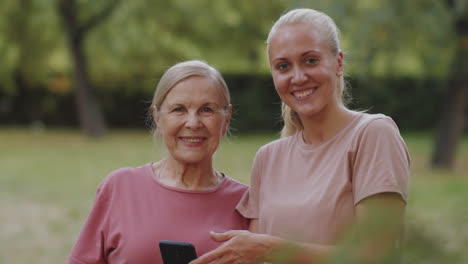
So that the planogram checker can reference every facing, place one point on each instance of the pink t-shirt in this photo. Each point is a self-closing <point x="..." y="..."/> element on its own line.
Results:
<point x="308" y="192"/>
<point x="133" y="212"/>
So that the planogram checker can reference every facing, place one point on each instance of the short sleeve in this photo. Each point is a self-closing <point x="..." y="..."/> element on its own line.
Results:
<point x="248" y="206"/>
<point x="90" y="247"/>
<point x="381" y="161"/>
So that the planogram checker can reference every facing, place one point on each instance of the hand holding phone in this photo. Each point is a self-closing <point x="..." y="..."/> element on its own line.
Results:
<point x="176" y="252"/>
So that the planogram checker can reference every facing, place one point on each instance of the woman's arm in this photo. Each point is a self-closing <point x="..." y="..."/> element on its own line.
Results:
<point x="244" y="247"/>
<point x="375" y="235"/>
<point x="378" y="225"/>
<point x="253" y="226"/>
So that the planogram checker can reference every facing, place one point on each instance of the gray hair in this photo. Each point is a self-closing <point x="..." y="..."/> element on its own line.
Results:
<point x="180" y="72"/>
<point x="321" y="21"/>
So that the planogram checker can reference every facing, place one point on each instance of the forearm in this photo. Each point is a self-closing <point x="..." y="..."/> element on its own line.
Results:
<point x="285" y="251"/>
<point x="312" y="253"/>
<point x="279" y="249"/>
<point x="241" y="246"/>
<point x="369" y="251"/>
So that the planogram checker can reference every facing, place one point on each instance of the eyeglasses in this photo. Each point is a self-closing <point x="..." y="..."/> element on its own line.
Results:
<point x="204" y="111"/>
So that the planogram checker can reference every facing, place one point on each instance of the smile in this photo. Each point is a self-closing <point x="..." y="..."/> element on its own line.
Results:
<point x="192" y="139"/>
<point x="303" y="93"/>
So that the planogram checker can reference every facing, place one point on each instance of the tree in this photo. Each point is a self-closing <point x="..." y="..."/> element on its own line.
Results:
<point x="454" y="107"/>
<point x="89" y="113"/>
<point x="28" y="37"/>
<point x="148" y="36"/>
<point x="28" y="40"/>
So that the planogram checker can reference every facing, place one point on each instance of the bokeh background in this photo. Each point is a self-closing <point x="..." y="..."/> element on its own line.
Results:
<point x="77" y="76"/>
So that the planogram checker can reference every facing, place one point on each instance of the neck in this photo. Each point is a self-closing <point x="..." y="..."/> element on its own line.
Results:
<point x="173" y="173"/>
<point x="326" y="124"/>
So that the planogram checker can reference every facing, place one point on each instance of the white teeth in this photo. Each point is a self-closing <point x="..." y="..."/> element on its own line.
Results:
<point x="304" y="93"/>
<point x="192" y="140"/>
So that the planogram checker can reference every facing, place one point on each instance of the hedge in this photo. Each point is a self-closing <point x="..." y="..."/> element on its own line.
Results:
<point x="412" y="103"/>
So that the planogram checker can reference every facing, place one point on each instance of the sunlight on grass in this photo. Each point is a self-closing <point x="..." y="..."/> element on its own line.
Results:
<point x="48" y="180"/>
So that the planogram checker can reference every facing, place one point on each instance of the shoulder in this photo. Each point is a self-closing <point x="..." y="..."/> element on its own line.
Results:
<point x="274" y="151"/>
<point x="123" y="177"/>
<point x="377" y="124"/>
<point x="234" y="185"/>
<point x="379" y="132"/>
<point x="276" y="146"/>
<point x="230" y="189"/>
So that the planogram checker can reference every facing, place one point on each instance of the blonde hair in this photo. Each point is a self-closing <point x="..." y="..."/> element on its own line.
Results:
<point x="313" y="18"/>
<point x="180" y="72"/>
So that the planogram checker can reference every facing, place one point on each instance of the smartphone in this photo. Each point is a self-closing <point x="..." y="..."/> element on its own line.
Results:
<point x="176" y="252"/>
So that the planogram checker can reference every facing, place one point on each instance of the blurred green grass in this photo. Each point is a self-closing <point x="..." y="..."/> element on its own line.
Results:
<point x="48" y="179"/>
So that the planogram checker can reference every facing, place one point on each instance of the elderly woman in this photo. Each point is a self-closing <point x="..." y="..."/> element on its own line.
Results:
<point x="181" y="197"/>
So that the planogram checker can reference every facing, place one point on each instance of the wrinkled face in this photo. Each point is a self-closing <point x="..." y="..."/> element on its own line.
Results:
<point x="304" y="69"/>
<point x="192" y="119"/>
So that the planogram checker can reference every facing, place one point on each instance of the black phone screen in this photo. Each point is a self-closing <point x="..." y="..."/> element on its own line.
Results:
<point x="176" y="252"/>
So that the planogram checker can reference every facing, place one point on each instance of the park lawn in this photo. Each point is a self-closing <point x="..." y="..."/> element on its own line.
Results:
<point x="48" y="179"/>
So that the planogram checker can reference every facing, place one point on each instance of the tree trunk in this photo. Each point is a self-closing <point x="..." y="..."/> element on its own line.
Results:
<point x="91" y="119"/>
<point x="451" y="120"/>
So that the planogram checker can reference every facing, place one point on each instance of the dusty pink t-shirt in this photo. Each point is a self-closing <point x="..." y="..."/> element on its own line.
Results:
<point x="133" y="212"/>
<point x="308" y="192"/>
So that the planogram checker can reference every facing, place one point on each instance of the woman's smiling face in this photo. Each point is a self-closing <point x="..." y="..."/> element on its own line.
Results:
<point x="192" y="119"/>
<point x="304" y="69"/>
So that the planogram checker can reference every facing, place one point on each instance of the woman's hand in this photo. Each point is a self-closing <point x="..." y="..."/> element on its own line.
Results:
<point x="239" y="247"/>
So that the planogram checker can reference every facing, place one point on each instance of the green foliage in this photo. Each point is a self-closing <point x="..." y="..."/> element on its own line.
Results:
<point x="393" y="38"/>
<point x="144" y="37"/>
<point x="29" y="43"/>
